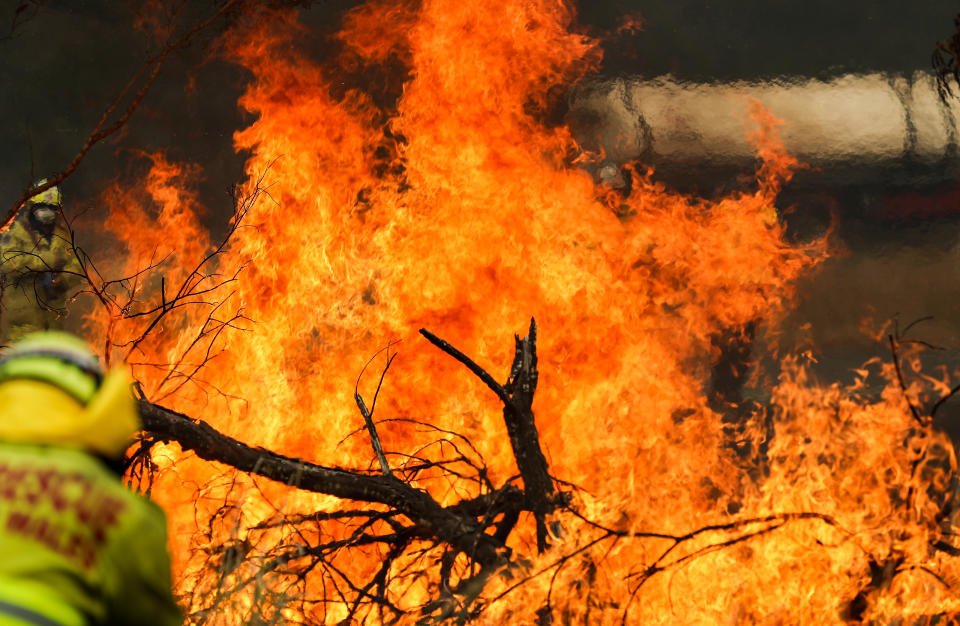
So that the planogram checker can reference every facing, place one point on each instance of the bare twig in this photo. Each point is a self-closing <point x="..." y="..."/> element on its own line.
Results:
<point x="103" y="130"/>
<point x="368" y="413"/>
<point x="922" y="421"/>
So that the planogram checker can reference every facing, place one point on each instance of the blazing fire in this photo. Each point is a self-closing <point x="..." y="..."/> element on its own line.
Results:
<point x="463" y="207"/>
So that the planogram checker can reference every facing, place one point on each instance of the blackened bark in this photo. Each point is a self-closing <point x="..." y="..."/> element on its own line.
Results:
<point x="517" y="397"/>
<point x="524" y="438"/>
<point x="434" y="521"/>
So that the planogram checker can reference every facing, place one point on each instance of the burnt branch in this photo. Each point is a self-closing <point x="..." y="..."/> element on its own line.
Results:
<point x="517" y="397"/>
<point x="368" y="413"/>
<point x="383" y="511"/>
<point x="209" y="444"/>
<point x="898" y="338"/>
<point x="480" y="373"/>
<point x="939" y="403"/>
<point x="923" y="421"/>
<point x="522" y="428"/>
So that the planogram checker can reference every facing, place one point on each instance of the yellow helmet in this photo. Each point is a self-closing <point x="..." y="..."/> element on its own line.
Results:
<point x="57" y="358"/>
<point x="51" y="196"/>
<point x="53" y="391"/>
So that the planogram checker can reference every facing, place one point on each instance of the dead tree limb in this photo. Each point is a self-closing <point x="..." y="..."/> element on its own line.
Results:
<point x="461" y="532"/>
<point x="517" y="397"/>
<point x="478" y="526"/>
<point x="522" y="428"/>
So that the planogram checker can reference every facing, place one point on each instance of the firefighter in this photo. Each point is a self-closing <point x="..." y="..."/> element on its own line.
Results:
<point x="38" y="267"/>
<point x="77" y="548"/>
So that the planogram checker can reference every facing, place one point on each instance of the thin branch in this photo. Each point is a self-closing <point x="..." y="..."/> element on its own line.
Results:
<point x="102" y="130"/>
<point x="941" y="401"/>
<point x="368" y="413"/>
<point x="915" y="322"/>
<point x="903" y="387"/>
<point x="480" y="373"/>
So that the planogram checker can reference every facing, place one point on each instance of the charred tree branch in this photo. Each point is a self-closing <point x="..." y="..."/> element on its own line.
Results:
<point x="368" y="413"/>
<point x="524" y="438"/>
<point x="460" y="532"/>
<point x="374" y="437"/>
<point x="517" y="397"/>
<point x="922" y="421"/>
<point x="480" y="373"/>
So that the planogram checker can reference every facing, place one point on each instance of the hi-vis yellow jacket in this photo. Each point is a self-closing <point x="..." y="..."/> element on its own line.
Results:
<point x="77" y="548"/>
<point x="36" y="275"/>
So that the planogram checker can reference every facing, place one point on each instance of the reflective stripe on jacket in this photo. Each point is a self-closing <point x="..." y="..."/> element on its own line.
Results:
<point x="12" y="614"/>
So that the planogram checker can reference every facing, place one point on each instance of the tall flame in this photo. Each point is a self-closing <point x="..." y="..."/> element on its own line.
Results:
<point x="460" y="208"/>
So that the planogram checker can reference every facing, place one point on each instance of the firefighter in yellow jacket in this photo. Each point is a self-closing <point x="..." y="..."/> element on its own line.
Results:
<point x="38" y="267"/>
<point x="77" y="548"/>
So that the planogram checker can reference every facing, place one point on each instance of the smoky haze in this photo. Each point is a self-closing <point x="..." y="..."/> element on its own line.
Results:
<point x="64" y="63"/>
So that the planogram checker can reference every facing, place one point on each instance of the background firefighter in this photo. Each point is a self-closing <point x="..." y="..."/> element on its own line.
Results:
<point x="38" y="267"/>
<point x="78" y="547"/>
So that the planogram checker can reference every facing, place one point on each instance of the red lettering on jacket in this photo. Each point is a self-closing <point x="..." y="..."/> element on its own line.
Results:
<point x="10" y="482"/>
<point x="51" y="485"/>
<point x="38" y="502"/>
<point x="17" y="522"/>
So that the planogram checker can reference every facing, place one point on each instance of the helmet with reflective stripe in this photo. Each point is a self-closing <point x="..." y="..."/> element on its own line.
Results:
<point x="60" y="359"/>
<point x="51" y="196"/>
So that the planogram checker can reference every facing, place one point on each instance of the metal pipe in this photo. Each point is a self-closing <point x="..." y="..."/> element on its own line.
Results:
<point x="860" y="126"/>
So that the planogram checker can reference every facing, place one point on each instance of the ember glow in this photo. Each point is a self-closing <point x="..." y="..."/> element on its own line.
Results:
<point x="464" y="207"/>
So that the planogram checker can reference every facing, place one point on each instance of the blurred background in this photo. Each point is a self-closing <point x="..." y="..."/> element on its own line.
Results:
<point x="851" y="81"/>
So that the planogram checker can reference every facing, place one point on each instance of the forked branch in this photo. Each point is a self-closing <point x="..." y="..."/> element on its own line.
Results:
<point x="517" y="397"/>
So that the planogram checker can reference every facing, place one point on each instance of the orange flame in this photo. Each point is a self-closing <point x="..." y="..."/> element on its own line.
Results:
<point x="459" y="209"/>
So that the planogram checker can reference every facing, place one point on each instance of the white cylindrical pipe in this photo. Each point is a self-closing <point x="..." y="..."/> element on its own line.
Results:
<point x="853" y="119"/>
